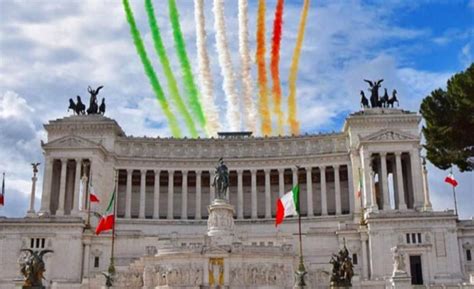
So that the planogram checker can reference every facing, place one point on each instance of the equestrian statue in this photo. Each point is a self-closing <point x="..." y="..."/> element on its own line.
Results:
<point x="221" y="180"/>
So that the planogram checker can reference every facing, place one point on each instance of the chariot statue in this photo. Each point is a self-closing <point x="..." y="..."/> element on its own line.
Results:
<point x="221" y="180"/>
<point x="342" y="269"/>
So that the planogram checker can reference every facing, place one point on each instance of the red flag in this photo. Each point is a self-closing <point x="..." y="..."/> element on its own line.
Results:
<point x="450" y="180"/>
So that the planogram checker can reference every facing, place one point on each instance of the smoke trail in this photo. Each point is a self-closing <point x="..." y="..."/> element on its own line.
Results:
<point x="249" y="116"/>
<point x="172" y="84"/>
<point x="188" y="78"/>
<point x="292" y="118"/>
<point x="261" y="69"/>
<point x="205" y="76"/>
<point x="274" y="65"/>
<point x="150" y="72"/>
<point x="233" y="115"/>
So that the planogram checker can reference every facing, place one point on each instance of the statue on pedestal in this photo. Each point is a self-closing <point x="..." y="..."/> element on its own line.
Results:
<point x="33" y="268"/>
<point x="342" y="269"/>
<point x="398" y="262"/>
<point x="221" y="180"/>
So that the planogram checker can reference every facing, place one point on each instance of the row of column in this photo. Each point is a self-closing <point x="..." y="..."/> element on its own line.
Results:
<point x="46" y="201"/>
<point x="399" y="180"/>
<point x="240" y="192"/>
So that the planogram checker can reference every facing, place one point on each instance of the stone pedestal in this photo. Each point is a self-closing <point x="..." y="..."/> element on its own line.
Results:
<point x="220" y="225"/>
<point x="400" y="280"/>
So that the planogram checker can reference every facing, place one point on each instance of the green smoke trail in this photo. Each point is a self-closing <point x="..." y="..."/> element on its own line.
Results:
<point x="188" y="78"/>
<point x="150" y="72"/>
<point x="172" y="84"/>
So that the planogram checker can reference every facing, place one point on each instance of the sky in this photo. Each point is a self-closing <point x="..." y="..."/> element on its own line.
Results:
<point x="51" y="51"/>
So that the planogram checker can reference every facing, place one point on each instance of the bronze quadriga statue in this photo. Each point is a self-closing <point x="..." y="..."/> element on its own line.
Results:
<point x="342" y="269"/>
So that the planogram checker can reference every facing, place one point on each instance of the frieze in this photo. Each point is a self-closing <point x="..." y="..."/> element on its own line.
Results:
<point x="261" y="274"/>
<point x="214" y="148"/>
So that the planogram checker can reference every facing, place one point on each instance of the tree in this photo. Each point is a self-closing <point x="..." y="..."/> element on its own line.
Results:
<point x="449" y="117"/>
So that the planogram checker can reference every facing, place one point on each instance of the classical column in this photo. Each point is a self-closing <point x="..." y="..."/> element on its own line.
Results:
<point x="368" y="187"/>
<point x="281" y="181"/>
<point x="401" y="191"/>
<point x="268" y="204"/>
<point x="47" y="180"/>
<point x="170" y="194"/>
<point x="212" y="189"/>
<point x="295" y="176"/>
<point x="324" y="203"/>
<point x="198" y="195"/>
<point x="87" y="257"/>
<point x="128" y="195"/>
<point x="383" y="165"/>
<point x="184" y="195"/>
<point x="77" y="185"/>
<point x="373" y="200"/>
<point x="426" y="189"/>
<point x="365" y="260"/>
<point x="240" y="195"/>
<point x="142" y="193"/>
<point x="62" y="188"/>
<point x="156" y="195"/>
<point x="254" y="193"/>
<point x="309" y="190"/>
<point x="417" y="179"/>
<point x="350" y="181"/>
<point x="31" y="211"/>
<point x="337" y="189"/>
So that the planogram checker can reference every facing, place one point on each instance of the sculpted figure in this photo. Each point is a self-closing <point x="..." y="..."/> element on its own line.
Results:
<point x="398" y="261"/>
<point x="384" y="99"/>
<point x="93" y="106"/>
<point x="374" y="89"/>
<point x="364" y="102"/>
<point x="33" y="268"/>
<point x="102" y="107"/>
<point x="393" y="99"/>
<point x="221" y="180"/>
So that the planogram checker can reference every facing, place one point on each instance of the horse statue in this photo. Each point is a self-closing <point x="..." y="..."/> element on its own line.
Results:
<point x="364" y="102"/>
<point x="33" y="268"/>
<point x="342" y="268"/>
<point x="80" y="107"/>
<point x="374" y="89"/>
<point x="384" y="99"/>
<point x="102" y="107"/>
<point x="93" y="106"/>
<point x="393" y="99"/>
<point x="221" y="180"/>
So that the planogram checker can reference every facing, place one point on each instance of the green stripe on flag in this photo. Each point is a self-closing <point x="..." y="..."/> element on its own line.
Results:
<point x="110" y="207"/>
<point x="296" y="197"/>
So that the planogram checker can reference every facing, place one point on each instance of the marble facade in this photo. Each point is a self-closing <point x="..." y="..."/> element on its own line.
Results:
<point x="164" y="191"/>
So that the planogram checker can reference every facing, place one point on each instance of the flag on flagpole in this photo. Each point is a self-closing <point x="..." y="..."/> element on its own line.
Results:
<point x="359" y="190"/>
<point x="2" y="195"/>
<point x="451" y="180"/>
<point x="288" y="205"/>
<point x="107" y="220"/>
<point x="92" y="195"/>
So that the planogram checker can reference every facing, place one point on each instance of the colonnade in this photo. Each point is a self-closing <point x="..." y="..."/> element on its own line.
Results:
<point x="185" y="194"/>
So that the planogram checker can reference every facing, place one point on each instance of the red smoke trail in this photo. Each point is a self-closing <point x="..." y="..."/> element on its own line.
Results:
<point x="275" y="63"/>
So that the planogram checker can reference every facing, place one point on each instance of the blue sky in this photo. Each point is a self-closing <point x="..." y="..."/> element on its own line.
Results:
<point x="51" y="50"/>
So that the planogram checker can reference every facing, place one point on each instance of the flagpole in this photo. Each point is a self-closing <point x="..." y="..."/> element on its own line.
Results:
<point x="301" y="271"/>
<point x="88" y="203"/>
<point x="111" y="266"/>
<point x="454" y="195"/>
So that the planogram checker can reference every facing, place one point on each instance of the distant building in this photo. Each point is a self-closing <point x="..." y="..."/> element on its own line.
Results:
<point x="164" y="189"/>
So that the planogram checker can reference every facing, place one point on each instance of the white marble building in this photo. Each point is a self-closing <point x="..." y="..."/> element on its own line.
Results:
<point x="164" y="191"/>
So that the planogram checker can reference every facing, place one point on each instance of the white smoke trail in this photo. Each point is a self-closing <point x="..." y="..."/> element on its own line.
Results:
<point x="222" y="48"/>
<point x="205" y="75"/>
<point x="250" y="112"/>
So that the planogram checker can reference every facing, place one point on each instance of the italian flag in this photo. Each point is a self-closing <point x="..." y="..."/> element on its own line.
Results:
<point x="93" y="198"/>
<point x="451" y="180"/>
<point x="2" y="193"/>
<point x="288" y="205"/>
<point x="107" y="220"/>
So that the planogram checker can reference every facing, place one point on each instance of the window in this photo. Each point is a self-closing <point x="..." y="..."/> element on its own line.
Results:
<point x="354" y="259"/>
<point x="408" y="238"/>
<point x="413" y="238"/>
<point x="96" y="262"/>
<point x="468" y="255"/>
<point x="37" y="243"/>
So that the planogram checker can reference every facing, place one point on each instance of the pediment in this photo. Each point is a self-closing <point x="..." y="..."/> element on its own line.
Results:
<point x="389" y="135"/>
<point x="71" y="142"/>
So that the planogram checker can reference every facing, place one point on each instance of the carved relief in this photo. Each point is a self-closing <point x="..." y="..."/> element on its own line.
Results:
<point x="260" y="274"/>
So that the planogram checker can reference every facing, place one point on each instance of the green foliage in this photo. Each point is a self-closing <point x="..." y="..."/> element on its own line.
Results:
<point x="449" y="117"/>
